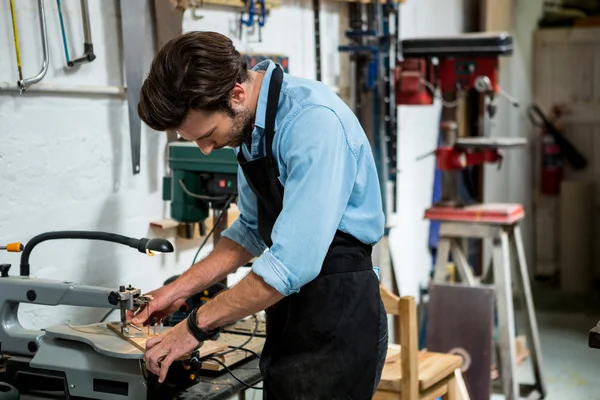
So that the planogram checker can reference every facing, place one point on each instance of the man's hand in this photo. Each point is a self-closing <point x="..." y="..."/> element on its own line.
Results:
<point x="164" y="303"/>
<point x="162" y="350"/>
<point x="226" y="257"/>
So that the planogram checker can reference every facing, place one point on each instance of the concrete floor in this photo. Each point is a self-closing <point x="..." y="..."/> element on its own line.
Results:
<point x="571" y="369"/>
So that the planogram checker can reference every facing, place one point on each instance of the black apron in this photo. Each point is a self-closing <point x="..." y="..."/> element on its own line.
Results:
<point x="324" y="342"/>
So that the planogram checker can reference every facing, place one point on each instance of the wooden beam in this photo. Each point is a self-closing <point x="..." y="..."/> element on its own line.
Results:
<point x="497" y="15"/>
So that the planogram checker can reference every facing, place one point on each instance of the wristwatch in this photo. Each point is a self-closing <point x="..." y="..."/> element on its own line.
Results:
<point x="200" y="334"/>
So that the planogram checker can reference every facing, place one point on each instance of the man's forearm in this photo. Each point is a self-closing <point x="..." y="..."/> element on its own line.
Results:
<point x="226" y="257"/>
<point x="251" y="295"/>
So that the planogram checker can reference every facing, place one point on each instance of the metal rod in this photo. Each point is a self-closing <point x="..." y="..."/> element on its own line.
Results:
<point x="62" y="29"/>
<point x="316" y="8"/>
<point x="88" y="48"/>
<point x="134" y="327"/>
<point x="13" y="14"/>
<point x="85" y="16"/>
<point x="24" y="84"/>
<point x="67" y="89"/>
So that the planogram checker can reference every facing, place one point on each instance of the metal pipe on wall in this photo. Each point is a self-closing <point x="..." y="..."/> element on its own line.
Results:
<point x="66" y="89"/>
<point x="25" y="83"/>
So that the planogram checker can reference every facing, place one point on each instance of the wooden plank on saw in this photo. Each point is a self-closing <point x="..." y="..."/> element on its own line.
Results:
<point x="256" y="345"/>
<point x="209" y="347"/>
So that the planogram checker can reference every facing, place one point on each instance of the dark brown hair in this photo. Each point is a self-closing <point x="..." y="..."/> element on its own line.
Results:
<point x="194" y="71"/>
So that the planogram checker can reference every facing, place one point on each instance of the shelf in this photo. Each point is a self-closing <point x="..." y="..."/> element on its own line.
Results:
<point x="185" y="4"/>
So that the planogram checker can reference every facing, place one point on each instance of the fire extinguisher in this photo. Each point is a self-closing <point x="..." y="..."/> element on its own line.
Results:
<point x="552" y="166"/>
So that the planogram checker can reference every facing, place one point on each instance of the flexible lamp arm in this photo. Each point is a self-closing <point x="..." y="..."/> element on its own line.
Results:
<point x="143" y="245"/>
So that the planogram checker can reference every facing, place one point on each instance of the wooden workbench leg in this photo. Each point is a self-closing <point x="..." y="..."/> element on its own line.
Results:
<point x="506" y="322"/>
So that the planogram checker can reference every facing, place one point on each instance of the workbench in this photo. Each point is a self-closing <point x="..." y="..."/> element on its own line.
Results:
<point x="215" y="382"/>
<point x="222" y="385"/>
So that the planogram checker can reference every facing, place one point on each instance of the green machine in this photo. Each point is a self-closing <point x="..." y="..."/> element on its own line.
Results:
<point x="199" y="182"/>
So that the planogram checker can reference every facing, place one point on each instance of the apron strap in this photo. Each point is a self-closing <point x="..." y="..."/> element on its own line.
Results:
<point x="270" y="115"/>
<point x="272" y="104"/>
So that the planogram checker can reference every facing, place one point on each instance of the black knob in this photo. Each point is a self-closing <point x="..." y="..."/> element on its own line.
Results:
<point x="113" y="298"/>
<point x="4" y="270"/>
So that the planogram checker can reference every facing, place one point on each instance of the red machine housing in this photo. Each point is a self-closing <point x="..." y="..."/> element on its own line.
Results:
<point x="452" y="158"/>
<point x="414" y="75"/>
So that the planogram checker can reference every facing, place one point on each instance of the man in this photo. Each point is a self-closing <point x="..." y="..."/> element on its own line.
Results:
<point x="310" y="210"/>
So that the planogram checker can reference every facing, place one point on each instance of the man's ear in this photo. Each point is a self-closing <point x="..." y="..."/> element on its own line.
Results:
<point x="238" y="95"/>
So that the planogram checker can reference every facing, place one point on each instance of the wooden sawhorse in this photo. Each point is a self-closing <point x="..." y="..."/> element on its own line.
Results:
<point x="499" y="222"/>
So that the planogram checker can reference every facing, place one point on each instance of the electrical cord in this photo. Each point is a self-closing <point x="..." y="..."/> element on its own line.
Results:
<point x="233" y="375"/>
<point x="251" y="352"/>
<point x="223" y="210"/>
<point x="199" y="196"/>
<point x="107" y="314"/>
<point x="234" y="348"/>
<point x="241" y="346"/>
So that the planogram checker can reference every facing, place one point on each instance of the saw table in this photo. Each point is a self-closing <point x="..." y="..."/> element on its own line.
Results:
<point x="104" y="360"/>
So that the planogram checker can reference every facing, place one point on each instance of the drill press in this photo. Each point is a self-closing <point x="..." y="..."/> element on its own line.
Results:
<point x="197" y="183"/>
<point x="449" y="67"/>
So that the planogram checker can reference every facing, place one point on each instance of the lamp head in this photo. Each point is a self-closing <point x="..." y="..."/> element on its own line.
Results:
<point x="155" y="246"/>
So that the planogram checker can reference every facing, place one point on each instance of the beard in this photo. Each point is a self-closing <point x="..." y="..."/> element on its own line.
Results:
<point x="242" y="123"/>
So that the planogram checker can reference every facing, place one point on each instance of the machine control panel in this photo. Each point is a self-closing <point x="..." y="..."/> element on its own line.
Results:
<point x="220" y="184"/>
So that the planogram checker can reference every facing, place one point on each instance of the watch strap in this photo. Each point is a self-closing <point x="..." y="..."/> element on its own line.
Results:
<point x="200" y="334"/>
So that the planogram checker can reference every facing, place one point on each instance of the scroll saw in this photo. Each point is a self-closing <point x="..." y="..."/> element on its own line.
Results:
<point x="81" y="362"/>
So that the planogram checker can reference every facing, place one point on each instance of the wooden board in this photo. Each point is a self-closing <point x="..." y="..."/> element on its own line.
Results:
<point x="432" y="367"/>
<point x="230" y="339"/>
<point x="460" y="321"/>
<point x="247" y="327"/>
<point x="209" y="347"/>
<point x="233" y="214"/>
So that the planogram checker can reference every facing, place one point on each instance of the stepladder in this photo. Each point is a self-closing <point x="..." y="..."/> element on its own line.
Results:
<point x="499" y="223"/>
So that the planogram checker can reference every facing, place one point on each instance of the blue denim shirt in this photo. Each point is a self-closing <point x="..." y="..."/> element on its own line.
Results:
<point x="330" y="182"/>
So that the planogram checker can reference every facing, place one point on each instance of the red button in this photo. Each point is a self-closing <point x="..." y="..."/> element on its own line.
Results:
<point x="222" y="183"/>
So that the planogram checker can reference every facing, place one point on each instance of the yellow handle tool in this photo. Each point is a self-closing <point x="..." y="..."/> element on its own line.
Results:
<point x="13" y="13"/>
<point x="13" y="247"/>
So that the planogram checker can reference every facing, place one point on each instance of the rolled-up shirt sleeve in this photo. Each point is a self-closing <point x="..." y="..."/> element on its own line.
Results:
<point x="244" y="230"/>
<point x="319" y="177"/>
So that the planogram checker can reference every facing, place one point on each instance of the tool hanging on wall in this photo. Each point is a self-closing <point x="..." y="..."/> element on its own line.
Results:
<point x="133" y="17"/>
<point x="88" y="48"/>
<point x="261" y="16"/>
<point x="13" y="14"/>
<point x="25" y="83"/>
<point x="195" y="5"/>
<point x="316" y="8"/>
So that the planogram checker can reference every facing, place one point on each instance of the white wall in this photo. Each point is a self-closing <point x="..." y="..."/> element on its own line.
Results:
<point x="417" y="134"/>
<point x="65" y="160"/>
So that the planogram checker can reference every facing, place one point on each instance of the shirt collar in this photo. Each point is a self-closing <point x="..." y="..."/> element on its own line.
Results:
<point x="261" y="107"/>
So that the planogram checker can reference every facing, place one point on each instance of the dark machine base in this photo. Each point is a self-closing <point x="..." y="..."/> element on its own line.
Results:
<point x="54" y="384"/>
<point x="480" y="44"/>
